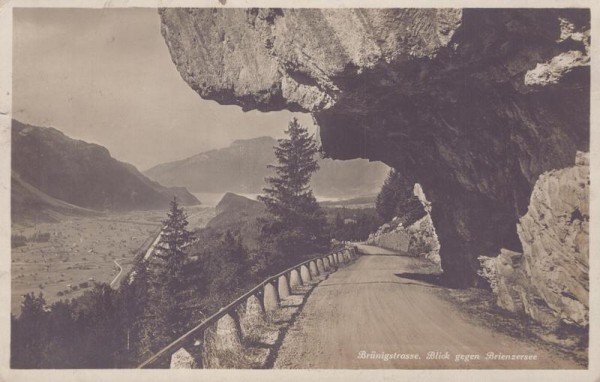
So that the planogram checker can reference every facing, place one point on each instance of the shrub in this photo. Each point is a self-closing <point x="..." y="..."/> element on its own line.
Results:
<point x="41" y="237"/>
<point x="17" y="241"/>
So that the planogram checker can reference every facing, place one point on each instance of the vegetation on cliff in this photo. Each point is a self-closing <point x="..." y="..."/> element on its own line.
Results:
<point x="397" y="198"/>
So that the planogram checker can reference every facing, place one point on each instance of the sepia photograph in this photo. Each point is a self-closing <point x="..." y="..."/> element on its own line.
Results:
<point x="323" y="188"/>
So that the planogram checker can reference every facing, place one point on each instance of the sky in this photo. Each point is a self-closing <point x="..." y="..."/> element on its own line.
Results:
<point x="105" y="76"/>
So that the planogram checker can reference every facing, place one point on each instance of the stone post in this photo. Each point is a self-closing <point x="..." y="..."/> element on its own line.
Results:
<point x="305" y="274"/>
<point x="326" y="264"/>
<point x="222" y="343"/>
<point x="320" y="266"/>
<point x="295" y="280"/>
<point x="228" y="336"/>
<point x="252" y="316"/>
<point x="282" y="286"/>
<point x="270" y="297"/>
<point x="181" y="359"/>
<point x="347" y="254"/>
<point x="314" y="272"/>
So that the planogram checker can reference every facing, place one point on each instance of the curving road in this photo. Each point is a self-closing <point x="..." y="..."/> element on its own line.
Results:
<point x="112" y="283"/>
<point x="367" y="307"/>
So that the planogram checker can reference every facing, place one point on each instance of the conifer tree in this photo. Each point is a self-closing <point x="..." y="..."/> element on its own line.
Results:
<point x="134" y="301"/>
<point x="175" y="235"/>
<point x="170" y="316"/>
<point x="233" y="250"/>
<point x="339" y="221"/>
<point x="29" y="333"/>
<point x="396" y="198"/>
<point x="297" y="225"/>
<point x="391" y="192"/>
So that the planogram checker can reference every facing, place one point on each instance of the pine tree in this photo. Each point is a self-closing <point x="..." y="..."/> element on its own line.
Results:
<point x="389" y="196"/>
<point x="233" y="250"/>
<point x="134" y="300"/>
<point x="175" y="235"/>
<point x="29" y="333"/>
<point x="298" y="223"/>
<point x="233" y="259"/>
<point x="339" y="222"/>
<point x="396" y="198"/>
<point x="104" y="334"/>
<point x="170" y="317"/>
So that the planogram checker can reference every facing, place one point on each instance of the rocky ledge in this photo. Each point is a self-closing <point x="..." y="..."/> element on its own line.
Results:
<point x="473" y="104"/>
<point x="549" y="279"/>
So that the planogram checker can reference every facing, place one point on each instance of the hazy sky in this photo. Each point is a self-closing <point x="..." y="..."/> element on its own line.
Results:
<point x="106" y="76"/>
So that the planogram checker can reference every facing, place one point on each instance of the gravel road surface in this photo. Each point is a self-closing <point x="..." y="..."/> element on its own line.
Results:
<point x="365" y="313"/>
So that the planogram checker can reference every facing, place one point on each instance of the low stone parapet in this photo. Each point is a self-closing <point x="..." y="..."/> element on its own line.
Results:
<point x="242" y="334"/>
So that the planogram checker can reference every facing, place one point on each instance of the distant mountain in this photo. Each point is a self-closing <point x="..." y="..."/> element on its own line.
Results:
<point x="232" y="203"/>
<point x="54" y="172"/>
<point x="242" y="167"/>
<point x="238" y="214"/>
<point x="359" y="202"/>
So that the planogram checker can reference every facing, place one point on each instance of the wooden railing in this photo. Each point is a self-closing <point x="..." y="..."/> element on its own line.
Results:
<point x="268" y="294"/>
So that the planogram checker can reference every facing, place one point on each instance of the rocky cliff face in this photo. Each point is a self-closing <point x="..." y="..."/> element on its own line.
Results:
<point x="472" y="104"/>
<point x="549" y="280"/>
<point x="415" y="238"/>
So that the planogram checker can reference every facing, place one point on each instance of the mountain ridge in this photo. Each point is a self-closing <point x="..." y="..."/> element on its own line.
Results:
<point x="241" y="167"/>
<point x="46" y="163"/>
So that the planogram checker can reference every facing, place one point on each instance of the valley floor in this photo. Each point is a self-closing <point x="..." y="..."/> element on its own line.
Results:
<point x="85" y="250"/>
<point x="376" y="308"/>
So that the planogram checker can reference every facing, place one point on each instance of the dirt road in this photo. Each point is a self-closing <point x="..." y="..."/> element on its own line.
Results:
<point x="116" y="279"/>
<point x="373" y="250"/>
<point x="365" y="312"/>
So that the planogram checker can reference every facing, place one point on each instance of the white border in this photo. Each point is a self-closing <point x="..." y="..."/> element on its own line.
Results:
<point x="6" y="374"/>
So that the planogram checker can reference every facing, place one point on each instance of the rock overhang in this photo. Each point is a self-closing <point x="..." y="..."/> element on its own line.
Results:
<point x="473" y="104"/>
